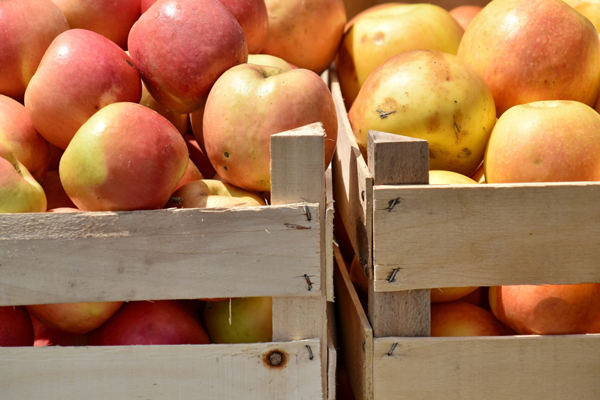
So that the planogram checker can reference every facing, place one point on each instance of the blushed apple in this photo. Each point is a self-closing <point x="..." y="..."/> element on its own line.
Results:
<point x="244" y="320"/>
<point x="211" y="193"/>
<point x="125" y="157"/>
<point x="181" y="47"/>
<point x="28" y="28"/>
<point x="464" y="14"/>
<point x="180" y="121"/>
<point x="589" y="9"/>
<point x="110" y="18"/>
<point x="192" y="173"/>
<point x="532" y="50"/>
<point x="252" y="17"/>
<point x="76" y="318"/>
<point x="458" y="318"/>
<point x="247" y="105"/>
<point x="16" y="328"/>
<point x="269" y="60"/>
<point x="81" y="73"/>
<point x="198" y="156"/>
<point x="19" y="135"/>
<point x="306" y="33"/>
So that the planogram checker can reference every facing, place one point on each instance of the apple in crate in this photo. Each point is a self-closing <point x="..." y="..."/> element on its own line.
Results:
<point x="239" y="320"/>
<point x="459" y="318"/>
<point x="56" y="197"/>
<point x="546" y="309"/>
<point x="247" y="105"/>
<point x="28" y="28"/>
<point x="125" y="157"/>
<point x="532" y="50"/>
<point x="212" y="193"/>
<point x="150" y="322"/>
<point x="429" y="95"/>
<point x="110" y="18"/>
<point x="545" y="141"/>
<point x="252" y="17"/>
<point x="464" y="14"/>
<point x="81" y="73"/>
<point x="76" y="318"/>
<point x="181" y="47"/>
<point x="16" y="328"/>
<point x="269" y="60"/>
<point x="44" y="335"/>
<point x="19" y="191"/>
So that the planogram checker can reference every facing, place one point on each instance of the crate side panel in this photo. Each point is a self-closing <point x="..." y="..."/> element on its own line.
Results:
<point x="493" y="368"/>
<point x="486" y="235"/>
<point x="161" y="372"/>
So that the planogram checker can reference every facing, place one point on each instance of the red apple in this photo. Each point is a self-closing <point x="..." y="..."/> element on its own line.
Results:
<point x="56" y="196"/>
<point x="145" y="5"/>
<point x="211" y="193"/>
<point x="45" y="335"/>
<point x="19" y="135"/>
<point x="458" y="318"/>
<point x="239" y="320"/>
<point x="110" y="18"/>
<point x="546" y="309"/>
<point x="192" y="173"/>
<point x="532" y="50"/>
<point x="181" y="47"/>
<point x="16" y="328"/>
<point x="150" y="322"/>
<point x="198" y="156"/>
<point x="80" y="73"/>
<point x="180" y="121"/>
<point x="252" y="17"/>
<point x="545" y="141"/>
<point x="28" y="28"/>
<point x="55" y="155"/>
<point x="238" y="142"/>
<point x="464" y="14"/>
<point x="306" y="33"/>
<point x="126" y="157"/>
<point x="76" y="318"/>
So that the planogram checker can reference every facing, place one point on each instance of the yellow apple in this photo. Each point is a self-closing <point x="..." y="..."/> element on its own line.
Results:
<point x="213" y="193"/>
<point x="458" y="318"/>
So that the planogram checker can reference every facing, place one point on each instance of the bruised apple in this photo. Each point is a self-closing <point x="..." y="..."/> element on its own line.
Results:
<point x="459" y="318"/>
<point x="181" y="47"/>
<point x="76" y="318"/>
<point x="532" y="50"/>
<point x="429" y="95"/>
<point x="245" y="107"/>
<point x="16" y="328"/>
<point x="149" y="323"/>
<point x="126" y="157"/>
<point x="19" y="191"/>
<point x="212" y="193"/>
<point x="239" y="320"/>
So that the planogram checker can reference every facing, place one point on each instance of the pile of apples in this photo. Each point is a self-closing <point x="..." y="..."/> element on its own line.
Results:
<point x="119" y="105"/>
<point x="507" y="93"/>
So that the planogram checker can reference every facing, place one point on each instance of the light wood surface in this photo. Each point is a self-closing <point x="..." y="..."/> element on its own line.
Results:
<point x="161" y="254"/>
<point x="160" y="372"/>
<point x="486" y="235"/>
<point x="491" y="368"/>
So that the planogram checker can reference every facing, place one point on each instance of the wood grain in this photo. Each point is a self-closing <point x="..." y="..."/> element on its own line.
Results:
<point x="486" y="235"/>
<point x="491" y="368"/>
<point x="161" y="254"/>
<point x="160" y="372"/>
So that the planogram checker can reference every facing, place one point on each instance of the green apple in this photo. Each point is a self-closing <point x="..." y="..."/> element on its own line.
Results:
<point x="239" y="320"/>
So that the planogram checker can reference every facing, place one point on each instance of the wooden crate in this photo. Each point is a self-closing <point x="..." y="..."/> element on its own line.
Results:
<point x="411" y="237"/>
<point x="183" y="254"/>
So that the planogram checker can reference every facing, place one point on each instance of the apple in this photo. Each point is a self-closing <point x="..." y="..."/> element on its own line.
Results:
<point x="198" y="156"/>
<point x="76" y="318"/>
<point x="545" y="141"/>
<point x="306" y="33"/>
<point x="181" y="47"/>
<point x="239" y="320"/>
<point x="16" y="328"/>
<point x="56" y="197"/>
<point x="380" y="33"/>
<point x="589" y="9"/>
<point x="44" y="335"/>
<point x="443" y="295"/>
<point x="440" y="177"/>
<point x="464" y="14"/>
<point x="428" y="95"/>
<point x="81" y="73"/>
<point x="55" y="155"/>
<point x="28" y="28"/>
<point x="594" y="326"/>
<point x="212" y="193"/>
<point x="110" y="18"/>
<point x="145" y="5"/>
<point x="19" y="135"/>
<point x="479" y="175"/>
<point x="252" y="17"/>
<point x="532" y="50"/>
<point x="475" y="297"/>
<point x="247" y="105"/>
<point x="458" y="318"/>
<point x="19" y="191"/>
<point x="148" y="323"/>
<point x="64" y="210"/>
<point x="269" y="60"/>
<point x="192" y="173"/>
<point x="125" y="157"/>
<point x="180" y="121"/>
<point x="546" y="309"/>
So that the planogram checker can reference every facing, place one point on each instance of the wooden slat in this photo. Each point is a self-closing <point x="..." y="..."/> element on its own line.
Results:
<point x="298" y="174"/>
<point x="160" y="372"/>
<point x="487" y="235"/>
<point x="161" y="254"/>
<point x="356" y="335"/>
<point x="353" y="183"/>
<point x="332" y="355"/>
<point x="329" y="213"/>
<point x="396" y="159"/>
<point x="491" y="368"/>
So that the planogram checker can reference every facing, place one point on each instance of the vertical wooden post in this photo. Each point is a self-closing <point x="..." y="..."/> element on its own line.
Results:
<point x="398" y="160"/>
<point x="297" y="175"/>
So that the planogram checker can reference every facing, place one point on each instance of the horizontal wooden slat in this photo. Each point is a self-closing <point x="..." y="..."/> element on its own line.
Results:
<point x="486" y="235"/>
<point x="161" y="372"/>
<point x="510" y="367"/>
<point x="161" y="254"/>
